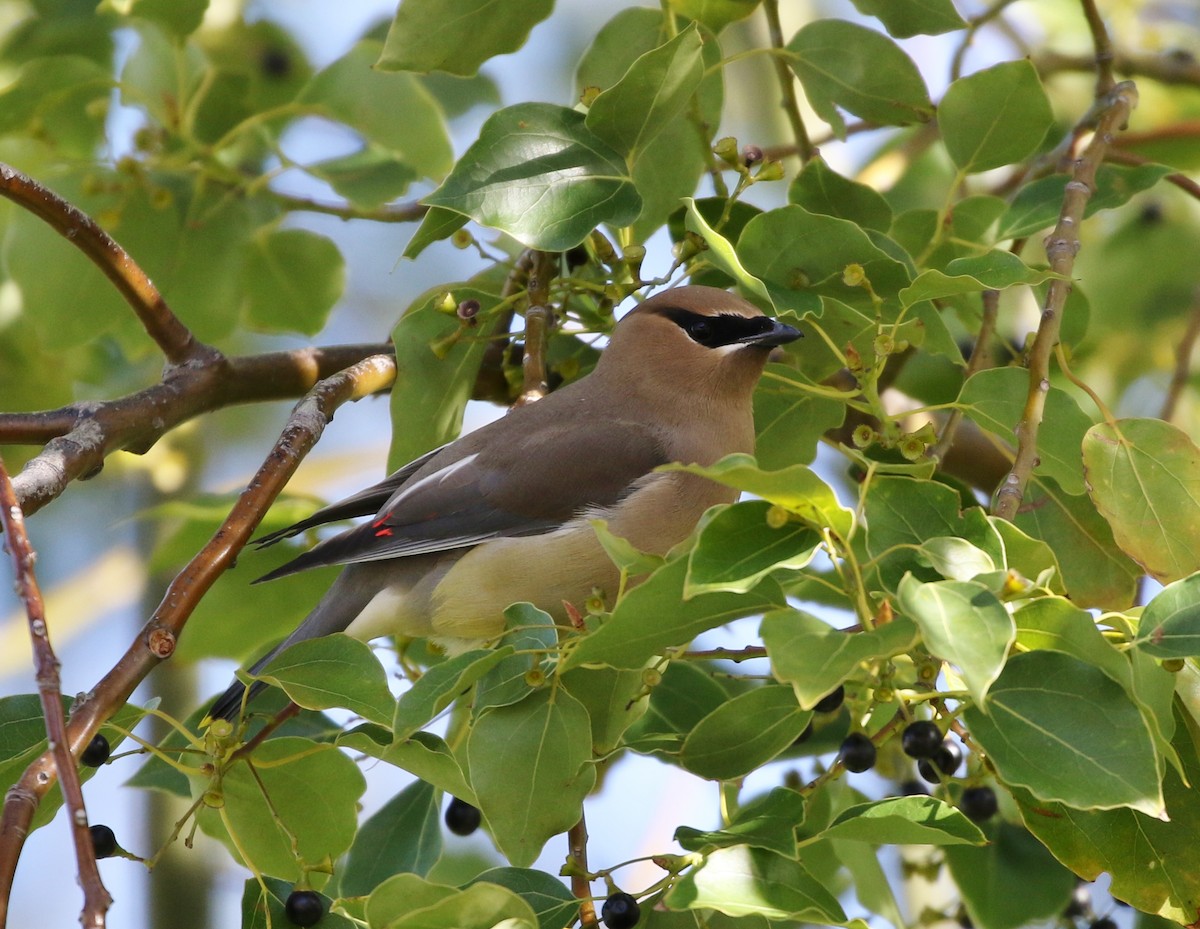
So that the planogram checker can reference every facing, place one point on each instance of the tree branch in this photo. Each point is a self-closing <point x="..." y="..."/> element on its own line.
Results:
<point x="1166" y="69"/>
<point x="96" y="899"/>
<point x="581" y="887"/>
<point x="172" y="336"/>
<point x="157" y="639"/>
<point x="79" y="437"/>
<point x="1061" y="247"/>
<point x="1183" y="362"/>
<point x="787" y="84"/>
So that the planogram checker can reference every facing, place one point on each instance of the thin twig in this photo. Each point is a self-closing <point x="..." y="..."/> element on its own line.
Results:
<point x="787" y="83"/>
<point x="1182" y="181"/>
<point x="1061" y="247"/>
<point x="157" y="639"/>
<point x="581" y="887"/>
<point x="173" y="338"/>
<point x="1102" y="49"/>
<point x="978" y="360"/>
<point x="96" y="899"/>
<point x="974" y="25"/>
<point x="387" y="213"/>
<point x="1165" y="69"/>
<point x="1183" y="362"/>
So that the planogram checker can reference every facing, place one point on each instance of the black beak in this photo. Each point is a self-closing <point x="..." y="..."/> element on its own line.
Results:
<point x="773" y="334"/>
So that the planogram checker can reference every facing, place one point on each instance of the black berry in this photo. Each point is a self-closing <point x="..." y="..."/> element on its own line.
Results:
<point x="921" y="739"/>
<point x="831" y="701"/>
<point x="945" y="761"/>
<point x="978" y="803"/>
<point x="104" y="841"/>
<point x="620" y="911"/>
<point x="461" y="817"/>
<point x="857" y="753"/>
<point x="805" y="735"/>
<point x="913" y="788"/>
<point x="304" y="907"/>
<point x="97" y="751"/>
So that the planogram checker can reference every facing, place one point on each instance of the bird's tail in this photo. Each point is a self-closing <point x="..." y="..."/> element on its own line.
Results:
<point x="344" y="600"/>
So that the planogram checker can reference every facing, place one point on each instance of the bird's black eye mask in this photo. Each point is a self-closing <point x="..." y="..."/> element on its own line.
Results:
<point x="729" y="328"/>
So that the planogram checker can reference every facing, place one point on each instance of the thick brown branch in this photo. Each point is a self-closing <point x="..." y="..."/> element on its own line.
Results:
<point x="172" y="336"/>
<point x="158" y="637"/>
<point x="79" y="437"/>
<point x="96" y="899"/>
<point x="1061" y="247"/>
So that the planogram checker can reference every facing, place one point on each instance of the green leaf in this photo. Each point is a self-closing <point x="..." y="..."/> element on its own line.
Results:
<point x="1144" y="477"/>
<point x="438" y="687"/>
<point x="686" y="694"/>
<point x="422" y="754"/>
<point x="56" y="97"/>
<point x="957" y="559"/>
<point x="531" y="638"/>
<point x="438" y="224"/>
<point x="1095" y="572"/>
<point x="995" y="117"/>
<point x="1012" y="882"/>
<point x="1038" y="204"/>
<point x="814" y="657"/>
<point x="964" y="623"/>
<point x="720" y="251"/>
<point x="790" y="421"/>
<point x="531" y="768"/>
<point x="996" y="270"/>
<point x="630" y="114"/>
<point x="716" y="14"/>
<point x="403" y="835"/>
<point x="367" y="178"/>
<point x="458" y="36"/>
<point x="744" y="881"/>
<point x="744" y="733"/>
<point x="265" y="908"/>
<point x="905" y="821"/>
<point x="820" y="189"/>
<point x="904" y="18"/>
<point x="539" y="174"/>
<point x="995" y="400"/>
<point x="842" y="64"/>
<point x="1169" y="627"/>
<point x="403" y="894"/>
<point x="554" y="905"/>
<point x="614" y="701"/>
<point x="300" y="805"/>
<point x="292" y="278"/>
<point x="1065" y="731"/>
<point x="768" y="822"/>
<point x="737" y="548"/>
<point x="394" y="111"/>
<point x="655" y="616"/>
<point x="432" y="387"/>
<point x="401" y="903"/>
<point x="333" y="671"/>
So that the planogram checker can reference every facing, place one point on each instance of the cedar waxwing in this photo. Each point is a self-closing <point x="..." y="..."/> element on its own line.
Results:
<point x="501" y="515"/>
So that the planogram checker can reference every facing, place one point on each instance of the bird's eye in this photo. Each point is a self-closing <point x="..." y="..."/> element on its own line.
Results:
<point x="700" y="330"/>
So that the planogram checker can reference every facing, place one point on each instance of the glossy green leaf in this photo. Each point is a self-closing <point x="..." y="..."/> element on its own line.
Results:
<point x="815" y="658"/>
<point x="744" y="733"/>
<point x="333" y="671"/>
<point x="403" y="835"/>
<point x="905" y="821"/>
<point x="540" y="175"/>
<point x="655" y="616"/>
<point x="716" y="14"/>
<point x="720" y="251"/>
<point x="300" y="805"/>
<point x="842" y="64"/>
<point x="394" y="111"/>
<point x="995" y="117"/>
<point x="768" y="822"/>
<point x="744" y="881"/>
<point x="995" y="400"/>
<point x="996" y="270"/>
<point x="957" y="559"/>
<point x="531" y="768"/>
<point x="422" y="754"/>
<point x="1038" y="204"/>
<point x="292" y="279"/>
<point x="738" y="547"/>
<point x="1065" y="731"/>
<point x="964" y="623"/>
<point x="989" y="879"/>
<point x="1096" y="573"/>
<point x="438" y="687"/>
<point x="553" y="903"/>
<point x="630" y="114"/>
<point x="820" y="189"/>
<point x="904" y="18"/>
<point x="458" y="35"/>
<point x="1144" y="477"/>
<point x="1169" y="627"/>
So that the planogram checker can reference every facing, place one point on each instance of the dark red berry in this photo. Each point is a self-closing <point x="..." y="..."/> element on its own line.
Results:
<point x="104" y="841"/>
<point x="831" y="702"/>
<point x="921" y="739"/>
<point x="620" y="911"/>
<point x="978" y="803"/>
<point x="97" y="751"/>
<point x="857" y="753"/>
<point x="461" y="817"/>
<point x="304" y="907"/>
